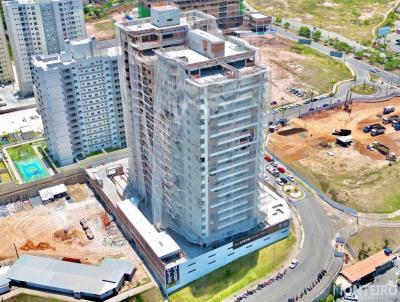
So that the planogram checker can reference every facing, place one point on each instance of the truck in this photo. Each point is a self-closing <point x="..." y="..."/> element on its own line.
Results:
<point x="384" y="150"/>
<point x="396" y="126"/>
<point x="387" y="120"/>
<point x="341" y="132"/>
<point x="378" y="131"/>
<point x="389" y="109"/>
<point x="368" y="128"/>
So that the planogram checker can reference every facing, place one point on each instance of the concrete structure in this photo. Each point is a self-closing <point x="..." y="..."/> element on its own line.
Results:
<point x="75" y="279"/>
<point x="39" y="28"/>
<point x="6" y="72"/>
<point x="174" y="261"/>
<point x="79" y="100"/>
<point x="52" y="193"/>
<point x="260" y="22"/>
<point x="27" y="132"/>
<point x="194" y="103"/>
<point x="228" y="13"/>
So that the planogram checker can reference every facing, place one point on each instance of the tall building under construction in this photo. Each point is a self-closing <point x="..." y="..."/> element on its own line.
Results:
<point x="193" y="106"/>
<point x="227" y="12"/>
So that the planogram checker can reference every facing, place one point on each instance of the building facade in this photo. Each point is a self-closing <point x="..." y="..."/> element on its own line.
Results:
<point x="227" y="12"/>
<point x="6" y="72"/>
<point x="194" y="103"/>
<point x="79" y="99"/>
<point x="40" y="28"/>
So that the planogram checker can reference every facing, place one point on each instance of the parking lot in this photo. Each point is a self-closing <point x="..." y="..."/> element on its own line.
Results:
<point x="10" y="99"/>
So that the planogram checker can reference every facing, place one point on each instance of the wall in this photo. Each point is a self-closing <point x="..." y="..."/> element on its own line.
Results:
<point x="196" y="268"/>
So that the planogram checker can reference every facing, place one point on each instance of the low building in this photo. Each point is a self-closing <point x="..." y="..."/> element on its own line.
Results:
<point x="366" y="270"/>
<point x="260" y="22"/>
<point x="27" y="132"/>
<point x="344" y="141"/>
<point x="75" y="279"/>
<point x="52" y="193"/>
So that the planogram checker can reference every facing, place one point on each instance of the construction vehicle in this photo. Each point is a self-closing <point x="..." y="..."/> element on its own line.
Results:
<point x="390" y="119"/>
<point x="368" y="128"/>
<point x="384" y="150"/>
<point x="396" y="126"/>
<point x="378" y="131"/>
<point x="341" y="132"/>
<point x="389" y="109"/>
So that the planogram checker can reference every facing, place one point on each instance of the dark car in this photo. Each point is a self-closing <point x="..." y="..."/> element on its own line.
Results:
<point x="284" y="180"/>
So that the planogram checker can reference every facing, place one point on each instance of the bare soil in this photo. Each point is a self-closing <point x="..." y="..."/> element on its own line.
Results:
<point x="354" y="176"/>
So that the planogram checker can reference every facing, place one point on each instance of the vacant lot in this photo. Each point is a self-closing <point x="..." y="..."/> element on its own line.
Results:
<point x="102" y="29"/>
<point x="353" y="176"/>
<point x="355" y="19"/>
<point x="293" y="65"/>
<point x="231" y="278"/>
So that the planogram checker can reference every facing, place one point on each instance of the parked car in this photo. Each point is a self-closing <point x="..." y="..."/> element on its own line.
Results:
<point x="370" y="148"/>
<point x="311" y="109"/>
<point x="274" y="164"/>
<point x="325" y="105"/>
<point x="279" y="181"/>
<point x="274" y="102"/>
<point x="3" y="104"/>
<point x="350" y="297"/>
<point x="281" y="169"/>
<point x="268" y="158"/>
<point x="290" y="177"/>
<point x="284" y="180"/>
<point x="294" y="263"/>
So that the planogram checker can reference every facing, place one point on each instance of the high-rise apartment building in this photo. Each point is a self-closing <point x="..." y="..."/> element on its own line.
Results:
<point x="40" y="27"/>
<point x="193" y="105"/>
<point x="227" y="12"/>
<point x="6" y="72"/>
<point x="79" y="100"/>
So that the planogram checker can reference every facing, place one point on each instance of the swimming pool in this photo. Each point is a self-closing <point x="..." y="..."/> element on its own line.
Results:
<point x="31" y="169"/>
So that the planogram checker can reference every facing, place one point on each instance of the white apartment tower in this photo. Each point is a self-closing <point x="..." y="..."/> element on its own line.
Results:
<point x="40" y="27"/>
<point x="79" y="100"/>
<point x="193" y="105"/>
<point x="6" y="72"/>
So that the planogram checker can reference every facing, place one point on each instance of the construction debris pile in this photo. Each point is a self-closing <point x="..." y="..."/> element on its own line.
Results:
<point x="113" y="236"/>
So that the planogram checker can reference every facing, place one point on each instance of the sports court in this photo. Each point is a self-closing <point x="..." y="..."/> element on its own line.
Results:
<point x="31" y="169"/>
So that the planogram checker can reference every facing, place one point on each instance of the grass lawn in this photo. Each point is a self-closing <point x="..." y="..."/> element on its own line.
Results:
<point x="364" y="89"/>
<point x="354" y="19"/>
<point x="318" y="71"/>
<point x="104" y="25"/>
<point x="235" y="276"/>
<point x="151" y="295"/>
<point x="28" y="298"/>
<point x="21" y="152"/>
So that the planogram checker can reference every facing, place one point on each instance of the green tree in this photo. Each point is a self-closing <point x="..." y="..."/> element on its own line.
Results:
<point x="316" y="35"/>
<point x="97" y="12"/>
<point x="86" y="10"/>
<point x="304" y="31"/>
<point x="286" y="25"/>
<point x="278" y="19"/>
<point x="359" y="54"/>
<point x="330" y="298"/>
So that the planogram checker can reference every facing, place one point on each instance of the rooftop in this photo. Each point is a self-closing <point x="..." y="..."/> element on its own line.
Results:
<point x="70" y="276"/>
<point x="259" y="16"/>
<point x="367" y="266"/>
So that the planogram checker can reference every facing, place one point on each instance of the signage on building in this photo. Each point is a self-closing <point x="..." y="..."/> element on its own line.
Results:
<point x="252" y="237"/>
<point x="305" y="41"/>
<point x="172" y="275"/>
<point x="336" y="54"/>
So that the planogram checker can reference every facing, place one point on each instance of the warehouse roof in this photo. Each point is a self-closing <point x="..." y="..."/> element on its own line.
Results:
<point x="367" y="266"/>
<point x="69" y="276"/>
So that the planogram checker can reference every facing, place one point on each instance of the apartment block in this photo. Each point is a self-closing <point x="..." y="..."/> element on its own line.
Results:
<point x="6" y="72"/>
<point x="79" y="100"/>
<point x="193" y="104"/>
<point x="227" y="12"/>
<point x="40" y="28"/>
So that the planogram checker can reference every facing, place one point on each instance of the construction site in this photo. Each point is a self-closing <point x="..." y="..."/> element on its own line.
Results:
<point x="349" y="153"/>
<point x="74" y="228"/>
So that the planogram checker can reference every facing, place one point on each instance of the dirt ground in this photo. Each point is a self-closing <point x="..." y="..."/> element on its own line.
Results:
<point x="54" y="230"/>
<point x="101" y="29"/>
<point x="296" y="66"/>
<point x="354" y="176"/>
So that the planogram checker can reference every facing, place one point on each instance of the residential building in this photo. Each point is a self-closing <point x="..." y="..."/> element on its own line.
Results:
<point x="6" y="73"/>
<point x="40" y="28"/>
<point x="228" y="13"/>
<point x="79" y="99"/>
<point x="193" y="105"/>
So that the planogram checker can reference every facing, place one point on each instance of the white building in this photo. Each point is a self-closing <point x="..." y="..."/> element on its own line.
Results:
<point x="79" y="99"/>
<point x="40" y="27"/>
<point x="194" y="103"/>
<point x="6" y="73"/>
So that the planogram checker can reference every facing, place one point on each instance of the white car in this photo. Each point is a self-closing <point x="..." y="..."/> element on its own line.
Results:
<point x="290" y="177"/>
<point x="294" y="263"/>
<point x="279" y="181"/>
<point x="350" y="297"/>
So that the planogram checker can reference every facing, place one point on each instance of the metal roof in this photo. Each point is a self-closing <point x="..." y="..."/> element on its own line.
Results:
<point x="74" y="277"/>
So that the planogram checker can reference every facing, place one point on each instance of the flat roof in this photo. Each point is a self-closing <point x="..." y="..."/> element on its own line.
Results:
<point x="367" y="266"/>
<point x="190" y="56"/>
<point x="345" y="139"/>
<point x="259" y="16"/>
<point x="160" y="242"/>
<point x="70" y="276"/>
<point x="48" y="193"/>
